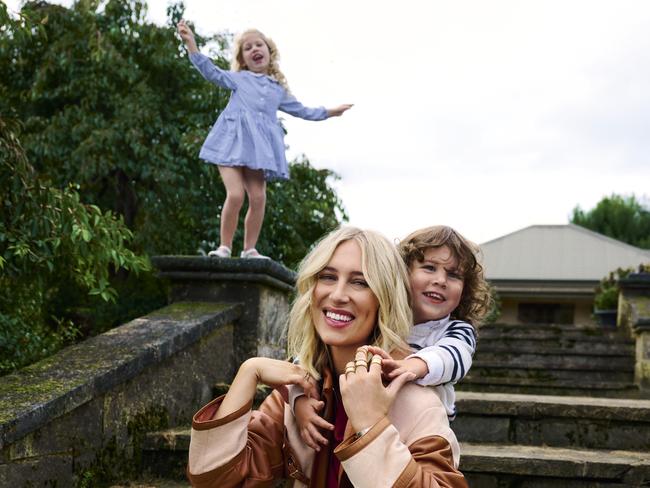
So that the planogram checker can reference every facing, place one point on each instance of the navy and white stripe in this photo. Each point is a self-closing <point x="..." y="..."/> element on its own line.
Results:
<point x="447" y="347"/>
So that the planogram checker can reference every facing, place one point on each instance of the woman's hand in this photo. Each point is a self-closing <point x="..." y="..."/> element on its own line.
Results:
<point x="338" y="111"/>
<point x="188" y="36"/>
<point x="365" y="399"/>
<point x="270" y="372"/>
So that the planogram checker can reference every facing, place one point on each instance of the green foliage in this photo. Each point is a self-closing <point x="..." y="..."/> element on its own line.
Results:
<point x="495" y="307"/>
<point x="112" y="115"/>
<point x="623" y="218"/>
<point x="607" y="291"/>
<point x="112" y="104"/>
<point x="51" y="244"/>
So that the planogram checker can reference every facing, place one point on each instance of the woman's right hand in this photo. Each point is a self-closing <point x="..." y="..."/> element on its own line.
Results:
<point x="276" y="374"/>
<point x="271" y="372"/>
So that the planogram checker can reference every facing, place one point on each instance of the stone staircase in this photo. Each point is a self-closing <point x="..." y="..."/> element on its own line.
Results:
<point x="553" y="406"/>
<point x="543" y="406"/>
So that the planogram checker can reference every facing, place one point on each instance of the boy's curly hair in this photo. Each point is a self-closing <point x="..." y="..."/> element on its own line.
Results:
<point x="476" y="299"/>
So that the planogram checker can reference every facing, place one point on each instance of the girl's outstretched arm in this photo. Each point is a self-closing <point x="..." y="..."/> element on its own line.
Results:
<point x="338" y="111"/>
<point x="188" y="37"/>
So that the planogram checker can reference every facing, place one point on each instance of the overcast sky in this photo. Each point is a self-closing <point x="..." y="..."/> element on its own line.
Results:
<point x="488" y="116"/>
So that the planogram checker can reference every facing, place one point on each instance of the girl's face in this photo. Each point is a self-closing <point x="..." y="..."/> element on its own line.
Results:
<point x="255" y="53"/>
<point x="344" y="309"/>
<point x="436" y="284"/>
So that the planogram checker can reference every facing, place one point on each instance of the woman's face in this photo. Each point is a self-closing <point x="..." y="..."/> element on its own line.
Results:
<point x="344" y="309"/>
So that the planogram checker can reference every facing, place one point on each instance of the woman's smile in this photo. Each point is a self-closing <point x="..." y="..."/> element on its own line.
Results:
<point x="338" y="318"/>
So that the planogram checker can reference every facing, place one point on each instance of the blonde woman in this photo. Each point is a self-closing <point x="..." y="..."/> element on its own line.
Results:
<point x="352" y="292"/>
<point x="247" y="141"/>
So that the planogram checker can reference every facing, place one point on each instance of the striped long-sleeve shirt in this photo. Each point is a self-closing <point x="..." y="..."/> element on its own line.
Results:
<point x="447" y="346"/>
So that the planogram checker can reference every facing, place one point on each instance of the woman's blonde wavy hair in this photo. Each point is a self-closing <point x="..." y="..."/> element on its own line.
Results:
<point x="387" y="277"/>
<point x="237" y="63"/>
<point x="476" y="299"/>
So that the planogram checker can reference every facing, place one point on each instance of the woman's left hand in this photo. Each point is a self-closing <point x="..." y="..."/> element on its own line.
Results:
<point x="338" y="111"/>
<point x="365" y="399"/>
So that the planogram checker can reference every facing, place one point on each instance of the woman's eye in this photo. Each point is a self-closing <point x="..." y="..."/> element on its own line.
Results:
<point x="326" y="277"/>
<point x="360" y="283"/>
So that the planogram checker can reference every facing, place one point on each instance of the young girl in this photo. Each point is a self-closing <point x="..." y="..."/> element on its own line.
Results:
<point x="448" y="294"/>
<point x="247" y="141"/>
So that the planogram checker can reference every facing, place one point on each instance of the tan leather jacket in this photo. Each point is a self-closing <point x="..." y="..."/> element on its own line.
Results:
<point x="412" y="447"/>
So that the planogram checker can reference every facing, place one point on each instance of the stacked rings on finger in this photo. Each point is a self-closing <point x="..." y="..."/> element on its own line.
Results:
<point x="376" y="360"/>
<point x="361" y="362"/>
<point x="349" y="368"/>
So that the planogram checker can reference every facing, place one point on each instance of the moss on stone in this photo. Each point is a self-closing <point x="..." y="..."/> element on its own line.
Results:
<point x="187" y="310"/>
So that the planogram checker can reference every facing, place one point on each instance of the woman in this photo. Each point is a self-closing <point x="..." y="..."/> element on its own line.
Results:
<point x="352" y="291"/>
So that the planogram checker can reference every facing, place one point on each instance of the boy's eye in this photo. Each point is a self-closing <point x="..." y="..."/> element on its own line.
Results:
<point x="455" y="274"/>
<point x="429" y="267"/>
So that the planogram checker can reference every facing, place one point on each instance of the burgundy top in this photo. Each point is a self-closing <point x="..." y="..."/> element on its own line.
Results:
<point x="340" y="420"/>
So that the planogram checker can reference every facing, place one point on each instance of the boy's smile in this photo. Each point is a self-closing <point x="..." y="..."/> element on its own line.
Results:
<point x="436" y="285"/>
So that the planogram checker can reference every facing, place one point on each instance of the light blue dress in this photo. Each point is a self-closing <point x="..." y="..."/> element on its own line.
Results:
<point x="247" y="132"/>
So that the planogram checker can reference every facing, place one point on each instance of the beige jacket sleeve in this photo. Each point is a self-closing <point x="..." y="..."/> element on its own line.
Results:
<point x="244" y="446"/>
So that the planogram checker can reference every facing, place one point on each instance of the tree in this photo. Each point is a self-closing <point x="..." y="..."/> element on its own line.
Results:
<point x="111" y="103"/>
<point x="620" y="217"/>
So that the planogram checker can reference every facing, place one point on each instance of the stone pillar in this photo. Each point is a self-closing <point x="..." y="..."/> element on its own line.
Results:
<point x="264" y="288"/>
<point x="634" y="317"/>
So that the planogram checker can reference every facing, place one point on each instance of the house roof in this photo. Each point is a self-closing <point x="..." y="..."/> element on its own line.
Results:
<point x="558" y="252"/>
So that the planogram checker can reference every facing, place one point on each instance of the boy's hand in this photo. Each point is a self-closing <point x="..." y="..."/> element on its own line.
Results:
<point x="392" y="368"/>
<point x="309" y="422"/>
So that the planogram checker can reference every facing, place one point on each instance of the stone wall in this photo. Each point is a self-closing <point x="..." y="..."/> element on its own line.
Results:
<point x="79" y="415"/>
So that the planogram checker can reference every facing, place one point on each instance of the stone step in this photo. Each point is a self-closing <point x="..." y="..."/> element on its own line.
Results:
<point x="547" y="360"/>
<point x="164" y="453"/>
<point x="555" y="421"/>
<point x="544" y="374"/>
<point x="551" y="332"/>
<point x="514" y="466"/>
<point x="575" y="387"/>
<point x="564" y="346"/>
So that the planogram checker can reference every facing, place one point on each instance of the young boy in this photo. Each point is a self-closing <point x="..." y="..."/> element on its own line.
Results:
<point x="448" y="294"/>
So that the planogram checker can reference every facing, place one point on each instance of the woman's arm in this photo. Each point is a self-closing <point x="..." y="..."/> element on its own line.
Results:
<point x="229" y="442"/>
<point x="188" y="37"/>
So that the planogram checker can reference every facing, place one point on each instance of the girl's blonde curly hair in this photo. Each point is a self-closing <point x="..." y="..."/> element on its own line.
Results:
<point x="237" y="63"/>
<point x="476" y="299"/>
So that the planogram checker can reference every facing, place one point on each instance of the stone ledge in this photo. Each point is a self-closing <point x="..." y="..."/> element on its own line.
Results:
<point x="265" y="271"/>
<point x="35" y="395"/>
<point x="555" y="462"/>
<point x="544" y="406"/>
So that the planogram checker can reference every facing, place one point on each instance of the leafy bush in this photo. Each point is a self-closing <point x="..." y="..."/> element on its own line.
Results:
<point x="607" y="291"/>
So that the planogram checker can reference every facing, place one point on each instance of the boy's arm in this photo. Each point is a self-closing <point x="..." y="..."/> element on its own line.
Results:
<point x="449" y="359"/>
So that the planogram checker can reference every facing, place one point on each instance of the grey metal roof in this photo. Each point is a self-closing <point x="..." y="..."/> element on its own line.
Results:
<point x="558" y="252"/>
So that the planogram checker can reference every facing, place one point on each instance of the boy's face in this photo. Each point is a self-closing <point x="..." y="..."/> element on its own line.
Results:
<point x="436" y="284"/>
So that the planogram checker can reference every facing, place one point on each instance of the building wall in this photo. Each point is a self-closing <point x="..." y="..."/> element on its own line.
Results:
<point x="582" y="309"/>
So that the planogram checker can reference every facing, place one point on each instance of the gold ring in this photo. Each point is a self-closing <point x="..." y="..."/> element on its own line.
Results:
<point x="376" y="360"/>
<point x="361" y="362"/>
<point x="348" y="371"/>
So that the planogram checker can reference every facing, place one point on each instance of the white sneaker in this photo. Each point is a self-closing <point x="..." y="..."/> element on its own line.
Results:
<point x="252" y="254"/>
<point x="221" y="252"/>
